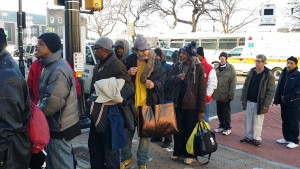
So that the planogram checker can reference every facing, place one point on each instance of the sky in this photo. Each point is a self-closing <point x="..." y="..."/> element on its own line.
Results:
<point x="39" y="7"/>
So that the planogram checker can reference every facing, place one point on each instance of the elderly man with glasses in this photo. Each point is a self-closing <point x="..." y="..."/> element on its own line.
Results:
<point x="257" y="95"/>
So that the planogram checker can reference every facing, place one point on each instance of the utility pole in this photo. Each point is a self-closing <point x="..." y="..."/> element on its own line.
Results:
<point x="72" y="45"/>
<point x="20" y="39"/>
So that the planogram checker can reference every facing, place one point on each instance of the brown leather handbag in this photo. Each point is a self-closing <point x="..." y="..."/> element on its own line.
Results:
<point x="157" y="123"/>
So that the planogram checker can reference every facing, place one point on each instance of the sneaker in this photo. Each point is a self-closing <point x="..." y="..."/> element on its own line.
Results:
<point x="188" y="161"/>
<point x="292" y="145"/>
<point x="165" y="144"/>
<point x="218" y="130"/>
<point x="125" y="164"/>
<point x="226" y="132"/>
<point x="256" y="143"/>
<point x="174" y="157"/>
<point x="245" y="140"/>
<point x="143" y="167"/>
<point x="282" y="141"/>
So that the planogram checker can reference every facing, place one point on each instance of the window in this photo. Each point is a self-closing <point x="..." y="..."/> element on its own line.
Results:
<point x="60" y="19"/>
<point x="268" y="11"/>
<point x="236" y="52"/>
<point x="51" y="19"/>
<point x="227" y="43"/>
<point x="209" y="43"/>
<point x="89" y="55"/>
<point x="187" y="41"/>
<point x="241" y="42"/>
<point x="9" y="27"/>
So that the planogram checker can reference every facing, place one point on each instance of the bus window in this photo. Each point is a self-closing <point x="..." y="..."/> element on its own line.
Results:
<point x="241" y="41"/>
<point x="227" y="43"/>
<point x="187" y="41"/>
<point x="164" y="43"/>
<point x="209" y="43"/>
<point x="176" y="43"/>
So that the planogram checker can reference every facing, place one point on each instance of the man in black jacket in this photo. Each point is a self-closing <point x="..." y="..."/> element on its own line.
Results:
<point x="288" y="96"/>
<point x="15" y="112"/>
<point x="148" y="77"/>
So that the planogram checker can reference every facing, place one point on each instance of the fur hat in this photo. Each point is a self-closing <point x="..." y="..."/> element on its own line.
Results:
<point x="3" y="41"/>
<point x="292" y="58"/>
<point x="200" y="51"/>
<point x="51" y="40"/>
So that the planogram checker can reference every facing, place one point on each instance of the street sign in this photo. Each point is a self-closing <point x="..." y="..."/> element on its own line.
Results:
<point x="78" y="62"/>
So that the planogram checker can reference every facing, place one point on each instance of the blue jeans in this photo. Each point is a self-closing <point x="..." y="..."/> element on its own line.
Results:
<point x="206" y="113"/>
<point x="59" y="154"/>
<point x="143" y="151"/>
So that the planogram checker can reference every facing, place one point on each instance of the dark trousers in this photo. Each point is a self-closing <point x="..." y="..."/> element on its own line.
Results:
<point x="224" y="116"/>
<point x="37" y="160"/>
<point x="186" y="121"/>
<point x="290" y="123"/>
<point x="101" y="155"/>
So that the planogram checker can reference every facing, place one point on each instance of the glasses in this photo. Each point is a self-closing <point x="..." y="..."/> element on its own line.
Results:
<point x="258" y="61"/>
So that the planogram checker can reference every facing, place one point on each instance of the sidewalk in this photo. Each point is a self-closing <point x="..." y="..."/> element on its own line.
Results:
<point x="231" y="154"/>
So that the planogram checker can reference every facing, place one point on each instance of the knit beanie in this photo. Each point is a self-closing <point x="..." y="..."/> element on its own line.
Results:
<point x="52" y="41"/>
<point x="292" y="58"/>
<point x="190" y="49"/>
<point x="3" y="41"/>
<point x="200" y="51"/>
<point x="223" y="54"/>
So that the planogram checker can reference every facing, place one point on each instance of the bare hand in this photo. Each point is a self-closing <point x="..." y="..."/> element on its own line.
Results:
<point x="181" y="76"/>
<point x="132" y="71"/>
<point x="201" y="115"/>
<point x="149" y="84"/>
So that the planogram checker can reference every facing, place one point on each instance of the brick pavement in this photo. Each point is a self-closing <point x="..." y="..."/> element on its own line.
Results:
<point x="230" y="154"/>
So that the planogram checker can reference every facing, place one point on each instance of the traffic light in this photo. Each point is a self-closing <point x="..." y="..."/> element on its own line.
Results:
<point x="59" y="2"/>
<point x="94" y="5"/>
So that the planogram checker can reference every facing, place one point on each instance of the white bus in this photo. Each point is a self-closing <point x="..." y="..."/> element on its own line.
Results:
<point x="213" y="43"/>
<point x="276" y="46"/>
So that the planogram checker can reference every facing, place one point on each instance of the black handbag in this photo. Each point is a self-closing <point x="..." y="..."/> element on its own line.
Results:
<point x="204" y="142"/>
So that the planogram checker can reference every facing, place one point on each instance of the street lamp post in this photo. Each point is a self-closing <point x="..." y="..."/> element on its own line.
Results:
<point x="20" y="40"/>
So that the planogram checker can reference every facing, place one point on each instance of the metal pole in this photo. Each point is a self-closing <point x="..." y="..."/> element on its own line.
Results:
<point x="72" y="44"/>
<point x="20" y="40"/>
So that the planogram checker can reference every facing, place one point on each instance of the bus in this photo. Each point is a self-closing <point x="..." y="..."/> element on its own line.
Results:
<point x="242" y="48"/>
<point x="213" y="43"/>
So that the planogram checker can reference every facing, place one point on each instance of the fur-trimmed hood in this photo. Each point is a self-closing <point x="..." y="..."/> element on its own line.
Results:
<point x="125" y="44"/>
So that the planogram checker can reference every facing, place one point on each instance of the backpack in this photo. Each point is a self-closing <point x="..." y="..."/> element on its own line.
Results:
<point x="37" y="129"/>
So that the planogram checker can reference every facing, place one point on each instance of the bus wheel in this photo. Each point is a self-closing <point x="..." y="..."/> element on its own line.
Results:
<point x="276" y="73"/>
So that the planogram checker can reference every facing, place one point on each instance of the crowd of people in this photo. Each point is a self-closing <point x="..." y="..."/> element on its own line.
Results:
<point x="127" y="83"/>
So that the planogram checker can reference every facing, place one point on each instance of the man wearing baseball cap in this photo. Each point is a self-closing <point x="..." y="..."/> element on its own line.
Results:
<point x="288" y="96"/>
<point x="146" y="74"/>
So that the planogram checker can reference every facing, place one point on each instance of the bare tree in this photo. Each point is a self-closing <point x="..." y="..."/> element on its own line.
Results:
<point x="225" y="11"/>
<point x="176" y="9"/>
<point x="139" y="10"/>
<point x="103" y="22"/>
<point x="293" y="12"/>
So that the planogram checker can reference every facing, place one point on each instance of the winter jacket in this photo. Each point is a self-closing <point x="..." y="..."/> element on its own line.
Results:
<point x="210" y="78"/>
<point x="290" y="88"/>
<point x="265" y="92"/>
<point x="58" y="97"/>
<point x="226" y="84"/>
<point x="157" y="75"/>
<point x="195" y="90"/>
<point x="113" y="67"/>
<point x="33" y="80"/>
<point x="15" y="114"/>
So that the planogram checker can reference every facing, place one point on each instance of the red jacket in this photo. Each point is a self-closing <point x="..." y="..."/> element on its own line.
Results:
<point x="33" y="80"/>
<point x="207" y="68"/>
